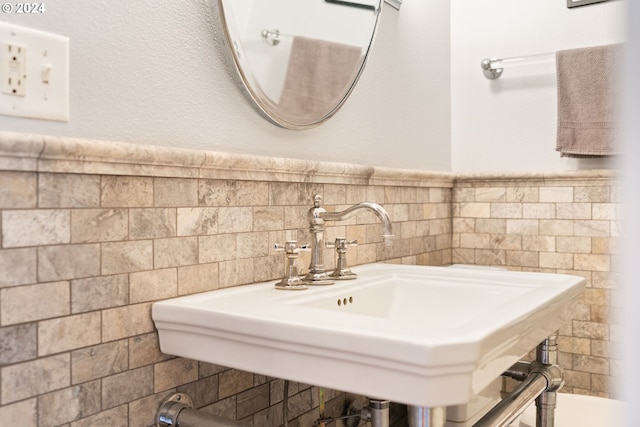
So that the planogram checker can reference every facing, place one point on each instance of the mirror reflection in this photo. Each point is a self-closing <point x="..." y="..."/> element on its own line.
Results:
<point x="299" y="59"/>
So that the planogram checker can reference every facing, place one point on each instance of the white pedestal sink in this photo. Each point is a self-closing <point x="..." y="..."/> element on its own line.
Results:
<point x="423" y="336"/>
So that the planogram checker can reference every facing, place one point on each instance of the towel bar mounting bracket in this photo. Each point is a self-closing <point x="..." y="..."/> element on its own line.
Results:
<point x="488" y="71"/>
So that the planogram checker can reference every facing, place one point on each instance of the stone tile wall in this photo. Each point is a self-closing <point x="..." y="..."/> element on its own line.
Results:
<point x="84" y="255"/>
<point x="564" y="223"/>
<point x="92" y="233"/>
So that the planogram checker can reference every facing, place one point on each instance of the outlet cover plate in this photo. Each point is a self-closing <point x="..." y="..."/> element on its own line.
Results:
<point x="45" y="93"/>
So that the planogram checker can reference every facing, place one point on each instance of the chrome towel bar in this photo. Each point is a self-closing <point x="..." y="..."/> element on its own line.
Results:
<point x="492" y="68"/>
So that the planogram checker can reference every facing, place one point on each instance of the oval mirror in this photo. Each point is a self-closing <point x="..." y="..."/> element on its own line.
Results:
<point x="299" y="59"/>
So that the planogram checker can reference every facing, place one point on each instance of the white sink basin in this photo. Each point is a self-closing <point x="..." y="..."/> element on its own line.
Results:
<point x="426" y="336"/>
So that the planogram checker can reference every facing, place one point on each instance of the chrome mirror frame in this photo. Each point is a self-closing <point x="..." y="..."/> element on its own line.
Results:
<point x="394" y="3"/>
<point x="262" y="102"/>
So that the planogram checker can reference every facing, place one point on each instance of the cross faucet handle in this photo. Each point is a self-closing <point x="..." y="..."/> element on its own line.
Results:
<point x="291" y="280"/>
<point x="342" y="243"/>
<point x="342" y="271"/>
<point x="290" y="247"/>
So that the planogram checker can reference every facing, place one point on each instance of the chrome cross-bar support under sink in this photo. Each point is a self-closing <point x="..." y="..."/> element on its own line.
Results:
<point x="544" y="378"/>
<point x="540" y="382"/>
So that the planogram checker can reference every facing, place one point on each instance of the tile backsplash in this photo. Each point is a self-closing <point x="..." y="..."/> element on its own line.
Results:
<point x="92" y="233"/>
<point x="91" y="237"/>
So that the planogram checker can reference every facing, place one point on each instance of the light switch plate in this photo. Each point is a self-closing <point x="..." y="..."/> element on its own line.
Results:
<point x="35" y="82"/>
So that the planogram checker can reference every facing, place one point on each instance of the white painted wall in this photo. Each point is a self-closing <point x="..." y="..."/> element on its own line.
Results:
<point x="157" y="73"/>
<point x="509" y="124"/>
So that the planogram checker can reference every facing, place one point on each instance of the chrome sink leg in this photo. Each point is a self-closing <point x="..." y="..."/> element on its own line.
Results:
<point x="379" y="413"/>
<point x="375" y="413"/>
<point x="426" y="417"/>
<point x="545" y="409"/>
<point x="547" y="355"/>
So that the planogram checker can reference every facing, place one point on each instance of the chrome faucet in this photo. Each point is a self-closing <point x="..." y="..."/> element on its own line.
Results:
<point x="318" y="275"/>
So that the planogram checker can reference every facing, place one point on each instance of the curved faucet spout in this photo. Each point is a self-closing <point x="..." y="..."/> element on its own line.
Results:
<point x="374" y="207"/>
<point x="318" y="274"/>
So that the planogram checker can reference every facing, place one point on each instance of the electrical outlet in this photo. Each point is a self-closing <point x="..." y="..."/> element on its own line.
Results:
<point x="34" y="73"/>
<point x="14" y="69"/>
